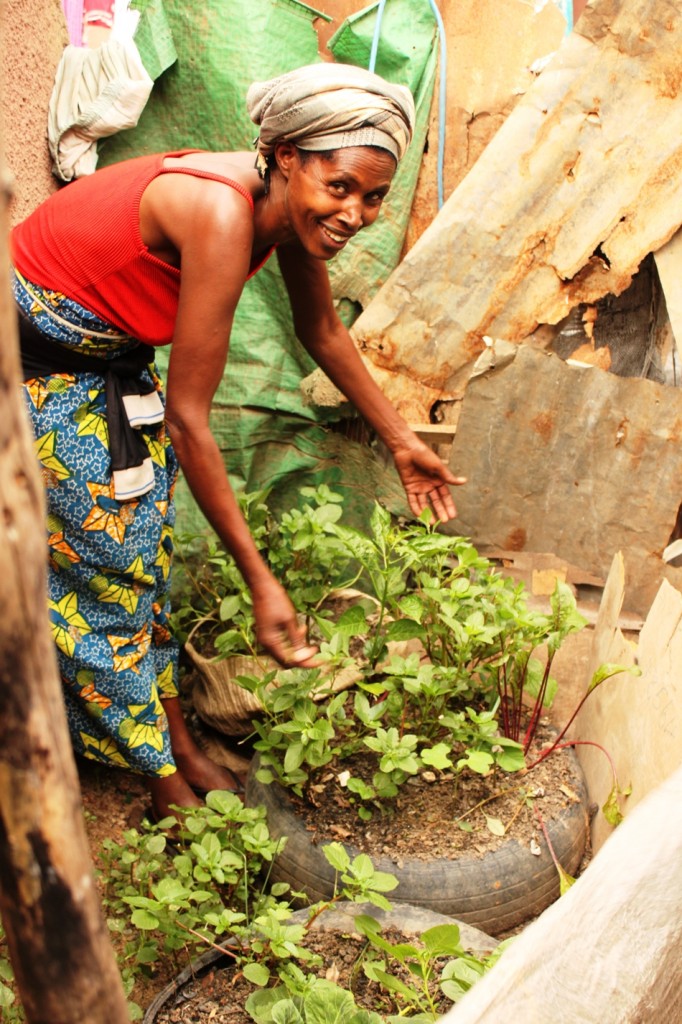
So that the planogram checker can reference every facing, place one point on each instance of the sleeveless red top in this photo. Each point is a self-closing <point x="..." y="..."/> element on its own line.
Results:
<point x="84" y="241"/>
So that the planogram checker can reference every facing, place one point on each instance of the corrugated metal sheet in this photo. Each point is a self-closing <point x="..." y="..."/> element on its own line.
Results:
<point x="580" y="183"/>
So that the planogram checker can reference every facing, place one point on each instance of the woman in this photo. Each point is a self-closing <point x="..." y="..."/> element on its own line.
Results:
<point x="153" y="251"/>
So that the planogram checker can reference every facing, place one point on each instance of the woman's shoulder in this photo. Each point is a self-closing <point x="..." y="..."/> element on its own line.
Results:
<point x="233" y="168"/>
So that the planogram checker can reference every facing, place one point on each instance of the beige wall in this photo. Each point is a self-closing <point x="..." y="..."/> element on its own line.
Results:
<point x="33" y="35"/>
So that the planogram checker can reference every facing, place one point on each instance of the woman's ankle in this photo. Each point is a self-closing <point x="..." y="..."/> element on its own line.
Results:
<point x="171" y="791"/>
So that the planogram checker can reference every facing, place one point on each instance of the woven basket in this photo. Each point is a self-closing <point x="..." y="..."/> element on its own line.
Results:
<point x="217" y="697"/>
<point x="227" y="707"/>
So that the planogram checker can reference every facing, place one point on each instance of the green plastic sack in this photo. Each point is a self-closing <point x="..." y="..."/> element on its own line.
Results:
<point x="198" y="102"/>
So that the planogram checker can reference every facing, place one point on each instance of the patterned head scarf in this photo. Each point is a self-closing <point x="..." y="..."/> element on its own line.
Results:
<point x="330" y="106"/>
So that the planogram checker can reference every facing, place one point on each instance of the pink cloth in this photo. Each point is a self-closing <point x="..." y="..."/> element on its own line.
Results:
<point x="73" y="12"/>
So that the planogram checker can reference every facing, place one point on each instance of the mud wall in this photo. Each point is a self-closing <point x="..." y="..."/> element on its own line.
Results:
<point x="32" y="37"/>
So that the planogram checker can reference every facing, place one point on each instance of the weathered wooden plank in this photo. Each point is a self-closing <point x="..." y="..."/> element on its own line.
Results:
<point x="576" y="462"/>
<point x="580" y="183"/>
<point x="57" y="937"/>
<point x="610" y="950"/>
<point x="633" y="717"/>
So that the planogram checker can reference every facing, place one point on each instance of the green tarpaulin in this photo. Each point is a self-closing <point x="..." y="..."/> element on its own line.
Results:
<point x="204" y="57"/>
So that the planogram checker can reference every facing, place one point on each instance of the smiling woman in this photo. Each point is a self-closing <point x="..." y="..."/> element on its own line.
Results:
<point x="156" y="251"/>
<point x="336" y="193"/>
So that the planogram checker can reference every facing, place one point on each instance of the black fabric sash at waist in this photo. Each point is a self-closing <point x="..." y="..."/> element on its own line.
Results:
<point x="41" y="357"/>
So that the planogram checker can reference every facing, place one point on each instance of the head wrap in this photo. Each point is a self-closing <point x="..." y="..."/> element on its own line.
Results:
<point x="330" y="106"/>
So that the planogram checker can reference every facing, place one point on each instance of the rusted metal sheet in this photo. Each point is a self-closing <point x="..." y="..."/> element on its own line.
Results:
<point x="573" y="461"/>
<point x="581" y="182"/>
<point x="493" y="49"/>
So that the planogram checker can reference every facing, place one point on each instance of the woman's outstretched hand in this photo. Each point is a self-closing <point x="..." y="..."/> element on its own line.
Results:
<point x="426" y="480"/>
<point x="278" y="630"/>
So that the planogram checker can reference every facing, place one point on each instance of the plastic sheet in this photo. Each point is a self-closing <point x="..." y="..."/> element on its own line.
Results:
<point x="199" y="102"/>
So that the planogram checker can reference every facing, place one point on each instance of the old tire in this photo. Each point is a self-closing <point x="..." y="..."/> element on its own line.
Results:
<point x="340" y="918"/>
<point x="494" y="892"/>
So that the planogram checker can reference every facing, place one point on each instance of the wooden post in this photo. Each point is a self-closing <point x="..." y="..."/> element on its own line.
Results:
<point x="64" y="965"/>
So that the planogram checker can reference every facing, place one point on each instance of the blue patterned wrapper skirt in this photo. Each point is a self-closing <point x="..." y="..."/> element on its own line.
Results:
<point x="109" y="565"/>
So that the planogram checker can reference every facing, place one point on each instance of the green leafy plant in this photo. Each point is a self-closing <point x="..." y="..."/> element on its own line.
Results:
<point x="455" y="670"/>
<point x="213" y="604"/>
<point x="424" y="968"/>
<point x="173" y="897"/>
<point x="452" y="667"/>
<point x="187" y="892"/>
<point x="168" y="899"/>
<point x="434" y="966"/>
<point x="202" y="890"/>
<point x="11" y="1010"/>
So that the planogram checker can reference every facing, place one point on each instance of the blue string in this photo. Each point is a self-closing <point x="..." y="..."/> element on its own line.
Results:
<point x="566" y="8"/>
<point x="377" y="34"/>
<point x="442" y="98"/>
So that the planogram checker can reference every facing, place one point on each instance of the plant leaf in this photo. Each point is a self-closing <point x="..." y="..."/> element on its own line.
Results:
<point x="144" y="920"/>
<point x="404" y="629"/>
<point x="438" y="756"/>
<point x="259" y="1005"/>
<point x="327" y="1003"/>
<point x="607" y="670"/>
<point x="442" y="940"/>
<point x="611" y="809"/>
<point x="478" y="760"/>
<point x="565" y="880"/>
<point x="257" y="974"/>
<point x="337" y="855"/>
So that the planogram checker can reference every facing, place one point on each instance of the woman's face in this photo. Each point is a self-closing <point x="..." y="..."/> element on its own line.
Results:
<point x="329" y="198"/>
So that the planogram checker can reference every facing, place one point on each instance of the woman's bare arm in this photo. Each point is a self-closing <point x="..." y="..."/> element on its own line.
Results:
<point x="211" y="228"/>
<point x="425" y="478"/>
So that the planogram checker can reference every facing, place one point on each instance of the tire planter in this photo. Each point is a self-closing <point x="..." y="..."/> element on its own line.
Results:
<point x="410" y="920"/>
<point x="495" y="891"/>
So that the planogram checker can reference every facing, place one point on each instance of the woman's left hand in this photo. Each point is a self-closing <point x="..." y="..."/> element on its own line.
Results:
<point x="426" y="480"/>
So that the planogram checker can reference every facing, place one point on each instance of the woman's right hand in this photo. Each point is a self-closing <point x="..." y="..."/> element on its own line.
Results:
<point x="278" y="630"/>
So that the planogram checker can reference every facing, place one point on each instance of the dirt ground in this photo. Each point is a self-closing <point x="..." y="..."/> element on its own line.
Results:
<point x="115" y="800"/>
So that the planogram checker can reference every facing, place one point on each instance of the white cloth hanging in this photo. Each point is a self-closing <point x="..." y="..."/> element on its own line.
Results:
<point x="96" y="93"/>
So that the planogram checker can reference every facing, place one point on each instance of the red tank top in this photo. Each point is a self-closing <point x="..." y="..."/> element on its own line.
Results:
<point x="84" y="241"/>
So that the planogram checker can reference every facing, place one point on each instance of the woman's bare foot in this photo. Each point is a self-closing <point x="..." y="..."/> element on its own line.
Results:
<point x="171" y="790"/>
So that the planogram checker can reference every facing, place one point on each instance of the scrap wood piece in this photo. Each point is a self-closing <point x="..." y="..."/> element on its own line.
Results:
<point x="580" y="183"/>
<point x="633" y="717"/>
<point x="525" y="563"/>
<point x="574" y="461"/>
<point x="540" y="571"/>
